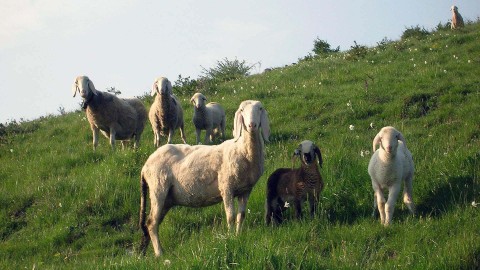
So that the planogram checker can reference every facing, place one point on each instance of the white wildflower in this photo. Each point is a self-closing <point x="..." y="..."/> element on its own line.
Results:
<point x="304" y="86"/>
<point x="248" y="210"/>
<point x="371" y="125"/>
<point x="167" y="262"/>
<point x="215" y="92"/>
<point x="320" y="83"/>
<point x="253" y="86"/>
<point x="414" y="65"/>
<point x="60" y="205"/>
<point x="367" y="152"/>
<point x="11" y="150"/>
<point x="241" y="87"/>
<point x="362" y="154"/>
<point x="234" y="91"/>
<point x="276" y="87"/>
<point x="286" y="205"/>
<point x="351" y="127"/>
<point x="223" y="98"/>
<point x="469" y="61"/>
<point x="446" y="46"/>
<point x="425" y="62"/>
<point x="444" y="71"/>
<point x="474" y="204"/>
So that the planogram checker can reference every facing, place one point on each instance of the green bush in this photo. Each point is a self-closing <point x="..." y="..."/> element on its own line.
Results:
<point x="415" y="32"/>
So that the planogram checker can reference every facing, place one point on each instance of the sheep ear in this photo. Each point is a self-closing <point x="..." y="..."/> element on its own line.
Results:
<point x="401" y="138"/>
<point x="74" y="88"/>
<point x="319" y="156"/>
<point x="238" y="124"/>
<point x="192" y="100"/>
<point x="154" y="89"/>
<point x="92" y="87"/>
<point x="296" y="154"/>
<point x="265" y="124"/>
<point x="169" y="87"/>
<point x="376" y="140"/>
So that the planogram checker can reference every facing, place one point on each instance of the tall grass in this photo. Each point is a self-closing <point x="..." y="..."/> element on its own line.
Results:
<point x="64" y="206"/>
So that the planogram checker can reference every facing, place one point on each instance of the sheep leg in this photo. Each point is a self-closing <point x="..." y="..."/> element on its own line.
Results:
<point x="298" y="208"/>
<point x="170" y="135"/>
<point x="95" y="137"/>
<point x="407" y="194"/>
<point x="229" y="208"/>
<point x="242" y="206"/>
<point x="390" y="204"/>
<point x="197" y="134"/>
<point x="158" y="210"/>
<point x="381" y="204"/>
<point x="112" y="138"/>
<point x="182" y="134"/>
<point x="208" y="134"/>
<point x="313" y="202"/>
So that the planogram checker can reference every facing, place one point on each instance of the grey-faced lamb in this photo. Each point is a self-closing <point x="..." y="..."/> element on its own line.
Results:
<point x="116" y="118"/>
<point x="292" y="186"/>
<point x="457" y="20"/>
<point x="166" y="113"/>
<point x="209" y="117"/>
<point x="203" y="175"/>
<point x="391" y="164"/>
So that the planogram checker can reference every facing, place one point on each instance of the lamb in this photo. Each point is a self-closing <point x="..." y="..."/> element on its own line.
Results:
<point x="203" y="175"/>
<point x="457" y="20"/>
<point x="166" y="113"/>
<point x="117" y="119"/>
<point x="209" y="117"/>
<point x="388" y="166"/>
<point x="285" y="185"/>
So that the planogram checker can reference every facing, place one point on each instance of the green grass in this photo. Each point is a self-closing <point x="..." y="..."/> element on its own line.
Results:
<point x="64" y="206"/>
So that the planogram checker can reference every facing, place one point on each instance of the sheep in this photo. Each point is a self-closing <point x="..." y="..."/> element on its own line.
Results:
<point x="116" y="118"/>
<point x="166" y="113"/>
<point x="457" y="20"/>
<point x="388" y="166"/>
<point x="209" y="117"/>
<point x="285" y="186"/>
<point x="203" y="175"/>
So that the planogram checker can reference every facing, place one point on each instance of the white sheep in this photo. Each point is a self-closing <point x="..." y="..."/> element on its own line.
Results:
<point x="117" y="119"/>
<point x="166" y="113"/>
<point x="389" y="165"/>
<point x="209" y="117"/>
<point x="457" y="20"/>
<point x="203" y="175"/>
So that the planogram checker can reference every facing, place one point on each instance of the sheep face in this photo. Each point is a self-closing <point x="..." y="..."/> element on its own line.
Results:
<point x="388" y="138"/>
<point x="198" y="100"/>
<point x="251" y="116"/>
<point x="308" y="151"/>
<point x="162" y="86"/>
<point x="84" y="86"/>
<point x="454" y="8"/>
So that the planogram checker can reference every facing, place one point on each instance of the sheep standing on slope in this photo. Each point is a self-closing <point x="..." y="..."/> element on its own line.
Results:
<point x="295" y="185"/>
<point x="209" y="117"/>
<point x="203" y="175"/>
<point x="166" y="113"/>
<point x="117" y="119"/>
<point x="391" y="164"/>
<point x="457" y="20"/>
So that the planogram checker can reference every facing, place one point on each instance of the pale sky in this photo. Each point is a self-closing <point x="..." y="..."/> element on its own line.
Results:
<point x="45" y="44"/>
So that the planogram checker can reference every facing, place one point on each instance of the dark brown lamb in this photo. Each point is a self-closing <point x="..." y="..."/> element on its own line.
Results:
<point x="293" y="186"/>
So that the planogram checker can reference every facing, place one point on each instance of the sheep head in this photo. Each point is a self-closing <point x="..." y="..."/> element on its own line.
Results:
<point x="307" y="151"/>
<point x="454" y="8"/>
<point x="198" y="100"/>
<point x="251" y="116"/>
<point x="84" y="86"/>
<point x="388" y="138"/>
<point x="161" y="86"/>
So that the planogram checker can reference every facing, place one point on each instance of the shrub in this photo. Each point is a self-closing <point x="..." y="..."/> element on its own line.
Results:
<point x="227" y="70"/>
<point x="322" y="47"/>
<point x="185" y="85"/>
<point x="356" y="52"/>
<point x="415" y="32"/>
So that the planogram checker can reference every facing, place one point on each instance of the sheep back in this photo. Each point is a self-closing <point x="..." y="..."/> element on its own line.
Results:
<point x="107" y="111"/>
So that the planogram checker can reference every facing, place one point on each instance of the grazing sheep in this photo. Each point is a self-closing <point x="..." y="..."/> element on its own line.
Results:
<point x="209" y="117"/>
<point x="389" y="165"/>
<point x="285" y="186"/>
<point x="203" y="175"/>
<point x="457" y="20"/>
<point x="166" y="113"/>
<point x="117" y="119"/>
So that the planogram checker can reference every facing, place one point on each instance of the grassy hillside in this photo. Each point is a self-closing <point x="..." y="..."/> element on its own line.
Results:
<point x="64" y="206"/>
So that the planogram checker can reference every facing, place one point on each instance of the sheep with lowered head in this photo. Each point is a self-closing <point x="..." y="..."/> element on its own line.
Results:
<point x="116" y="118"/>
<point x="203" y="175"/>
<point x="391" y="164"/>
<point x="166" y="113"/>
<point x="285" y="186"/>
<point x="209" y="117"/>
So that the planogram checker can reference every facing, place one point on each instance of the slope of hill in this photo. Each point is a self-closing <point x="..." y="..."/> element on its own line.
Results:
<point x="64" y="206"/>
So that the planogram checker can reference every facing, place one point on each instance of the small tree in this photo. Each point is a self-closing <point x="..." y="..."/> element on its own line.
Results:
<point x="185" y="85"/>
<point x="321" y="47"/>
<point x="227" y="70"/>
<point x="113" y="90"/>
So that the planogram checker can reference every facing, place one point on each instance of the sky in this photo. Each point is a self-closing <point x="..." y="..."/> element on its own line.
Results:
<point x="126" y="44"/>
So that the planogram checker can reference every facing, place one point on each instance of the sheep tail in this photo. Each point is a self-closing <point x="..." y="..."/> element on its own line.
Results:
<point x="271" y="208"/>
<point x="142" y="222"/>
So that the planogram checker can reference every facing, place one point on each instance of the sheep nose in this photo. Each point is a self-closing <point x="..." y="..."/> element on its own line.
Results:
<point x="389" y="148"/>
<point x="252" y="125"/>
